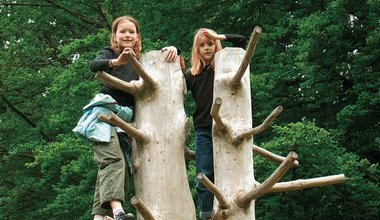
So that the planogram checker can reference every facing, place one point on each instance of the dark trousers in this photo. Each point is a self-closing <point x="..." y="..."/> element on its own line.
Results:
<point x="204" y="163"/>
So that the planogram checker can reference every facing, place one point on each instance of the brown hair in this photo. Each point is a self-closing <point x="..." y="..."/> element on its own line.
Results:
<point x="196" y="59"/>
<point x="137" y="47"/>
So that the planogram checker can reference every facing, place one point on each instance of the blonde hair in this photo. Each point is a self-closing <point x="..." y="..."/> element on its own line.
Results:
<point x="196" y="59"/>
<point x="137" y="47"/>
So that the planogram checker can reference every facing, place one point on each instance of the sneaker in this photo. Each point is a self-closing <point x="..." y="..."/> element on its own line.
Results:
<point x="124" y="216"/>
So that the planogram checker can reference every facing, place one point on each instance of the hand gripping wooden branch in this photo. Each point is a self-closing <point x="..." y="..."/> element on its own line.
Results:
<point x="234" y="186"/>
<point x="159" y="134"/>
<point x="145" y="84"/>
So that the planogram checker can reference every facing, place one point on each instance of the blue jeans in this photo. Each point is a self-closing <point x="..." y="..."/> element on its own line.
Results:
<point x="204" y="163"/>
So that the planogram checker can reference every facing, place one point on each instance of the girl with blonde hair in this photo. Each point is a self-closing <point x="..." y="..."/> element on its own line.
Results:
<point x="200" y="81"/>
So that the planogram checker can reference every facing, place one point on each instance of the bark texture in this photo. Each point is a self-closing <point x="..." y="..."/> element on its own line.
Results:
<point x="160" y="172"/>
<point x="233" y="163"/>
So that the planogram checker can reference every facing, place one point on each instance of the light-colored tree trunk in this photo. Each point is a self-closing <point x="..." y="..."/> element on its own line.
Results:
<point x="234" y="186"/>
<point x="233" y="164"/>
<point x="160" y="173"/>
<point x="159" y="134"/>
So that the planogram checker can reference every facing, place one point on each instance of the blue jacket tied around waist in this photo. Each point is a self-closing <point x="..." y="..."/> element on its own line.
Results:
<point x="91" y="128"/>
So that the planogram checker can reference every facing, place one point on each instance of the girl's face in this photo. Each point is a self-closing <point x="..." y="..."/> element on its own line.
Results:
<point x="126" y="34"/>
<point x="207" y="49"/>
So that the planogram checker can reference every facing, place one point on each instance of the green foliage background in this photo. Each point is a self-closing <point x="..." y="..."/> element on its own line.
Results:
<point x="317" y="59"/>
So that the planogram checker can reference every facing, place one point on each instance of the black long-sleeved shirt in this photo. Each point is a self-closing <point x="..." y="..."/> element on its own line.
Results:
<point x="202" y="86"/>
<point x="124" y="72"/>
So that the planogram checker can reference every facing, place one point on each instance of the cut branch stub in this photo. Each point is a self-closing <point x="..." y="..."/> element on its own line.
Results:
<point x="223" y="203"/>
<point x="189" y="154"/>
<point x="141" y="71"/>
<point x="244" y="200"/>
<point x="271" y="156"/>
<point x="225" y="213"/>
<point x="247" y="58"/>
<point x="266" y="123"/>
<point x="220" y="125"/>
<point x="187" y="127"/>
<point x="130" y="87"/>
<point x="141" y="208"/>
<point x="112" y="118"/>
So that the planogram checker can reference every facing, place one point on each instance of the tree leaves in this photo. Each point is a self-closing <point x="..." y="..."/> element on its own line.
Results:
<point x="318" y="59"/>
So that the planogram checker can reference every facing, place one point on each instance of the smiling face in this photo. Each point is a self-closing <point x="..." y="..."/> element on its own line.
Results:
<point x="207" y="49"/>
<point x="126" y="34"/>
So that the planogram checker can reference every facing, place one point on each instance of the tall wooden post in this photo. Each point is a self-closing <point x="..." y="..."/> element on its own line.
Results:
<point x="232" y="162"/>
<point x="159" y="134"/>
<point x="234" y="186"/>
<point x="161" y="178"/>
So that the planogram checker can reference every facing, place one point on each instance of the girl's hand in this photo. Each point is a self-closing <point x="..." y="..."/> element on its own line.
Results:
<point x="122" y="59"/>
<point x="212" y="35"/>
<point x="170" y="53"/>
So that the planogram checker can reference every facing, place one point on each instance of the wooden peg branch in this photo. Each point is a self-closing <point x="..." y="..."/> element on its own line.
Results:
<point x="225" y="213"/>
<point x="271" y="156"/>
<point x="189" y="154"/>
<point x="266" y="123"/>
<point x="308" y="183"/>
<point x="220" y="125"/>
<point x="142" y="208"/>
<point x="187" y="127"/>
<point x="220" y="214"/>
<point x="223" y="203"/>
<point x="130" y="87"/>
<point x="112" y="118"/>
<point x="248" y="56"/>
<point x="141" y="71"/>
<point x="244" y="200"/>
